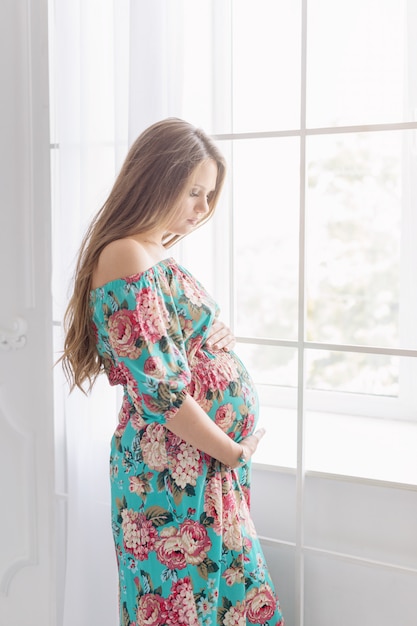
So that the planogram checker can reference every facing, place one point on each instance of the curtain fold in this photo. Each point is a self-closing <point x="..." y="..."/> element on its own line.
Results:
<point x="90" y="63"/>
<point x="90" y="594"/>
<point x="115" y="69"/>
<point x="155" y="77"/>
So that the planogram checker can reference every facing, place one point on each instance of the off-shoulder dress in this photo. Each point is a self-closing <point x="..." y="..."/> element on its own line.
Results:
<point x="187" y="550"/>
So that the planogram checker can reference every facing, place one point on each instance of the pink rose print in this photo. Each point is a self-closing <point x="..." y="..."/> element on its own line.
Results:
<point x="246" y="495"/>
<point x="216" y="373"/>
<point x="186" y="327"/>
<point x="154" y="318"/>
<point x="232" y="536"/>
<point x="154" y="448"/>
<point x="171" y="413"/>
<point x="246" y="519"/>
<point x="233" y="575"/>
<point x="139" y="534"/>
<point x="95" y="331"/>
<point x="151" y="610"/>
<point x="124" y="331"/>
<point x="188" y="545"/>
<point x="213" y="502"/>
<point x="140" y="484"/>
<point x="193" y="293"/>
<point x="222" y="508"/>
<point x="229" y="500"/>
<point x="183" y="534"/>
<point x="199" y="392"/>
<point x="235" y="616"/>
<point x="194" y="345"/>
<point x="225" y="416"/>
<point x="124" y="416"/>
<point x="126" y="413"/>
<point x="247" y="426"/>
<point x="170" y="549"/>
<point x="196" y="542"/>
<point x="261" y="604"/>
<point x="132" y="279"/>
<point x="181" y="609"/>
<point x="186" y="465"/>
<point x="210" y="375"/>
<point x="137" y="421"/>
<point x="154" y="367"/>
<point x="247" y="544"/>
<point x="116" y="375"/>
<point x="120" y="375"/>
<point x="192" y="290"/>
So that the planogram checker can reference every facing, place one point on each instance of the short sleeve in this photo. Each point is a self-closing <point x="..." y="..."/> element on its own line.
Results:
<point x="140" y="341"/>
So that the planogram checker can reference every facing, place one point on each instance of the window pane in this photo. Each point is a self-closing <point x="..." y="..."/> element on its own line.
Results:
<point x="279" y="446"/>
<point x="359" y="250"/>
<point x="266" y="65"/>
<point x="195" y="47"/>
<point x="266" y="198"/>
<point x="348" y="372"/>
<point x="360" y="60"/>
<point x="381" y="449"/>
<point x="274" y="371"/>
<point x="270" y="365"/>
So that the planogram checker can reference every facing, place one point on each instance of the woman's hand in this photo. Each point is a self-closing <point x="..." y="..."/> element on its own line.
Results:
<point x="220" y="337"/>
<point x="192" y="424"/>
<point x="249" y="444"/>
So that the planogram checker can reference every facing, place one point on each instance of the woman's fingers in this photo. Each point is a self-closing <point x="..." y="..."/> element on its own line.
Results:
<point x="250" y="443"/>
<point x="259" y="433"/>
<point x="220" y="337"/>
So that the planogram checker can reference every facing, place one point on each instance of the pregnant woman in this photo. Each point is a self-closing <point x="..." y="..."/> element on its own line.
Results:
<point x="186" y="547"/>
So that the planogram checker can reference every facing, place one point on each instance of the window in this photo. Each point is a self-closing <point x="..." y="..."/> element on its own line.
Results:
<point x="311" y="254"/>
<point x="316" y="230"/>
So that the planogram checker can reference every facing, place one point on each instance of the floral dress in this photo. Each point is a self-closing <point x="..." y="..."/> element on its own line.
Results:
<point x="187" y="550"/>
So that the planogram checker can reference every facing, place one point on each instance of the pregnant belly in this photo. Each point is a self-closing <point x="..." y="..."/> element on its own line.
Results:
<point x="223" y="388"/>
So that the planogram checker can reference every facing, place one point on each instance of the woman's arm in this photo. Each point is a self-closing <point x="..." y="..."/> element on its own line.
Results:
<point x="193" y="425"/>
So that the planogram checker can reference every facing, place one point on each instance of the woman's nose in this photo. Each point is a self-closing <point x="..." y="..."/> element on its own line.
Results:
<point x="202" y="205"/>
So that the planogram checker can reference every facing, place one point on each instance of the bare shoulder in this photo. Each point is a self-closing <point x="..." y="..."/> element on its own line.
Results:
<point x="121" y="258"/>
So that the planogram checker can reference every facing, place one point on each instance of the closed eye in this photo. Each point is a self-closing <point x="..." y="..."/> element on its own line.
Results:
<point x="195" y="194"/>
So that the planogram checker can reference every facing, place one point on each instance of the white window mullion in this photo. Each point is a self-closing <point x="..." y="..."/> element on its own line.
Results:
<point x="300" y="470"/>
<point x="408" y="313"/>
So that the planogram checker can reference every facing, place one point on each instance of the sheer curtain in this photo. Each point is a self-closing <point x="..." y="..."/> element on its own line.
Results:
<point x="116" y="67"/>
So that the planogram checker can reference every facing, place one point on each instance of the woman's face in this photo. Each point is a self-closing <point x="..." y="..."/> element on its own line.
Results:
<point x="194" y="204"/>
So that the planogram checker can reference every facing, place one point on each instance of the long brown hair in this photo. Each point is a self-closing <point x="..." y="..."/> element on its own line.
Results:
<point x="145" y="195"/>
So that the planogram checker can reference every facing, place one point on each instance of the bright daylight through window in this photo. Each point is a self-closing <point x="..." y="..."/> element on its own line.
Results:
<point x="319" y="126"/>
<point x="313" y="246"/>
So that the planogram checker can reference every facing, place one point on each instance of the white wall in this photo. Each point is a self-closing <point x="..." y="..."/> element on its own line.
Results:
<point x="360" y="548"/>
<point x="26" y="452"/>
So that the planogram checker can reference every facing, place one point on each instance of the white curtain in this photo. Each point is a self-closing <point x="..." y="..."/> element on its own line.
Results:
<point x="115" y="69"/>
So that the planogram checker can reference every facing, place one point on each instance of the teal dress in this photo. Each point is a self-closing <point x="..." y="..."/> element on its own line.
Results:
<point x="187" y="550"/>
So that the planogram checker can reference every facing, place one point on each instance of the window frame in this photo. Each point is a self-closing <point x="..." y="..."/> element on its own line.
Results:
<point x="219" y="241"/>
<point x="404" y="407"/>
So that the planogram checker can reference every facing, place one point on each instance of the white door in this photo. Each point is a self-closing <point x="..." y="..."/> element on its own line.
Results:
<point x="26" y="392"/>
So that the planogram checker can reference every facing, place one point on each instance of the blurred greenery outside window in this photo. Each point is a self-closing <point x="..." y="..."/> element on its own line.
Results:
<point x="320" y="209"/>
<point x="311" y="254"/>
